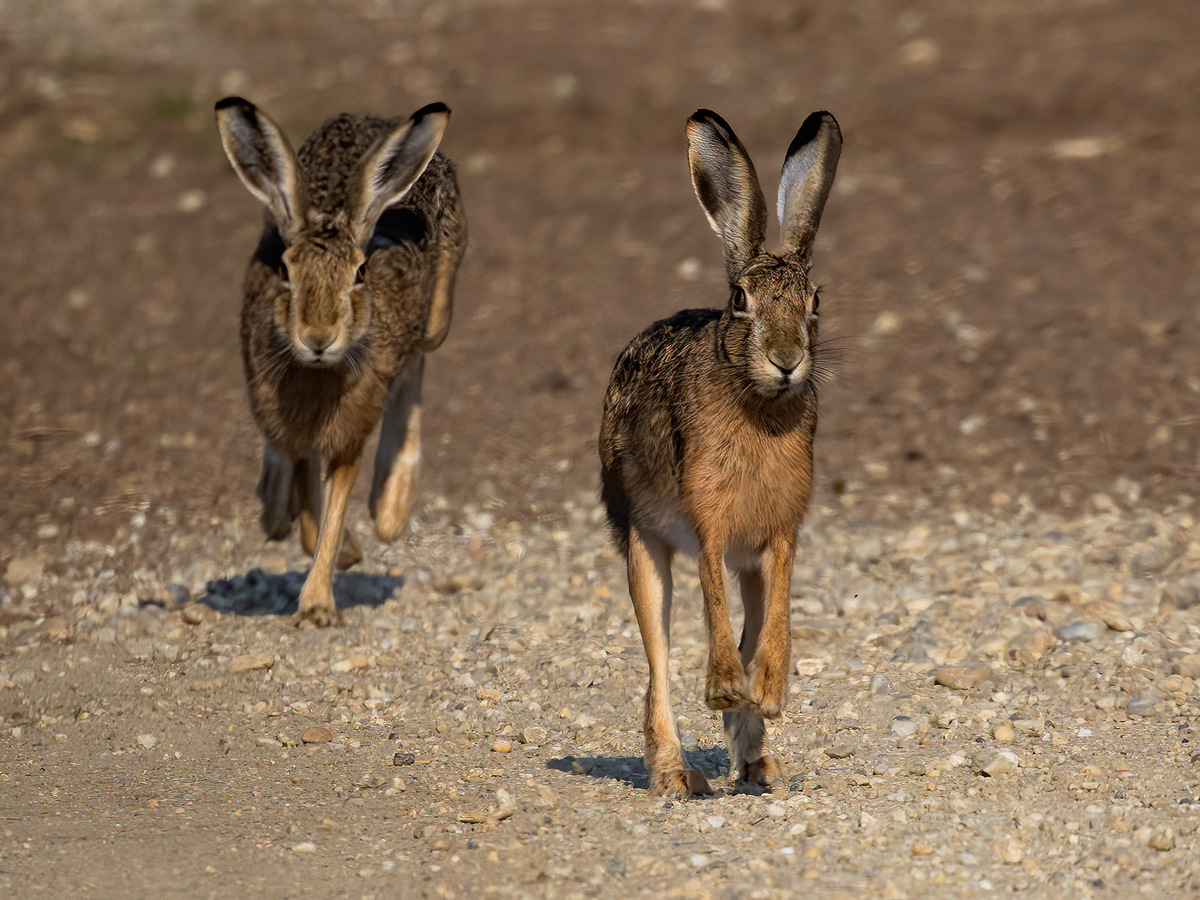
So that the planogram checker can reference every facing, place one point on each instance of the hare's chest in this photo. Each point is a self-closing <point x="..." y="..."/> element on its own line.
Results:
<point x="747" y="485"/>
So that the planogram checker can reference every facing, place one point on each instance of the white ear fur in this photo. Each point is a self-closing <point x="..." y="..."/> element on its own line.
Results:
<point x="727" y="187"/>
<point x="262" y="159"/>
<point x="396" y="163"/>
<point x="808" y="172"/>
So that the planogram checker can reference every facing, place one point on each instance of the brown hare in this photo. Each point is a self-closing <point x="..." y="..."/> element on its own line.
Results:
<point x="350" y="286"/>
<point x="706" y="447"/>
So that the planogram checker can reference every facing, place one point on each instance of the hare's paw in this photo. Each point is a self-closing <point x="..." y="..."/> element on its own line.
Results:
<point x="679" y="783"/>
<point x="768" y="688"/>
<point x="319" y="616"/>
<point x="765" y="772"/>
<point x="724" y="687"/>
<point x="317" y="606"/>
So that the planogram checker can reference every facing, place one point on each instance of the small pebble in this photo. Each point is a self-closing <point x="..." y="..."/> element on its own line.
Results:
<point x="147" y="741"/>
<point x="1003" y="763"/>
<point x="315" y="734"/>
<point x="501" y="747"/>
<point x="963" y="677"/>
<point x="250" y="662"/>
<point x="1003" y="733"/>
<point x="1079" y="631"/>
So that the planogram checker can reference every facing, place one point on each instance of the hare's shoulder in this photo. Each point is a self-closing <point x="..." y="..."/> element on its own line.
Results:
<point x="668" y="342"/>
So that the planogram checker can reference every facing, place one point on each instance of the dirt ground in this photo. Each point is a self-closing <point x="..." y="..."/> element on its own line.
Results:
<point x="1011" y="298"/>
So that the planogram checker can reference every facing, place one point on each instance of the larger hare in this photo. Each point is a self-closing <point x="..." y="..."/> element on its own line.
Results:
<point x="350" y="286"/>
<point x="707" y="446"/>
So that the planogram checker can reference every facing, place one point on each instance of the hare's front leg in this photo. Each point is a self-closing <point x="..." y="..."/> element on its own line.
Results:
<point x="316" y="597"/>
<point x="307" y="492"/>
<point x="745" y="731"/>
<point x="650" y="589"/>
<point x="768" y="668"/>
<point x="724" y="686"/>
<point x="398" y="459"/>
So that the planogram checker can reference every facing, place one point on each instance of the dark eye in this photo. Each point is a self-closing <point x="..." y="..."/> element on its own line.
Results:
<point x="360" y="275"/>
<point x="738" y="300"/>
<point x="283" y="272"/>
<point x="816" y="302"/>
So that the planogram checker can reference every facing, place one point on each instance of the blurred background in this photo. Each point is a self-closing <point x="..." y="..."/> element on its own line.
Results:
<point x="1009" y="255"/>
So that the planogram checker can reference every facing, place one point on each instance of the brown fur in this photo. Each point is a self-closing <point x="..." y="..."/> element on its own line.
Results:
<point x="350" y="285"/>
<point x="706" y="446"/>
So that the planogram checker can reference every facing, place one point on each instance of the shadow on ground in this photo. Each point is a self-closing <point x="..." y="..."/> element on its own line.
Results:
<point x="712" y="761"/>
<point x="259" y="593"/>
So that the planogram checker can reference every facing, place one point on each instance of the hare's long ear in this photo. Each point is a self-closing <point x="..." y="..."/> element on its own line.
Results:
<point x="394" y="164"/>
<point x="263" y="159"/>
<point x="727" y="187"/>
<point x="808" y="172"/>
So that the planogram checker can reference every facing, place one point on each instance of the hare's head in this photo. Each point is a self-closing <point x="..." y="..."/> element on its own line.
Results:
<point x="769" y="328"/>
<point x="323" y="308"/>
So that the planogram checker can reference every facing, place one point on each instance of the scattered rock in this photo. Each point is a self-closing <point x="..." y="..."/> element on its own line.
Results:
<point x="840" y="750"/>
<point x="315" y="734"/>
<point x="963" y="677"/>
<point x="1030" y="647"/>
<point x="147" y="741"/>
<point x="25" y="568"/>
<point x="1162" y="839"/>
<point x="501" y="747"/>
<point x="1002" y="763"/>
<point x="250" y="662"/>
<point x="534" y="736"/>
<point x="1034" y="607"/>
<point x="1079" y="631"/>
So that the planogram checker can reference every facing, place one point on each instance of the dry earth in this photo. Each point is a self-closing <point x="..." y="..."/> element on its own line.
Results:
<point x="995" y="622"/>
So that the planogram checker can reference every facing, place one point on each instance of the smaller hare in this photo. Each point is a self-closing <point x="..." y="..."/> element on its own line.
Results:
<point x="350" y="286"/>
<point x="706" y="447"/>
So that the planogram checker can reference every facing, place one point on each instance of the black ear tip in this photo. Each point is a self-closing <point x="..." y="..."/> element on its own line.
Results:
<point x="430" y="109"/>
<point x="810" y="128"/>
<point x="232" y="101"/>
<point x="710" y="119"/>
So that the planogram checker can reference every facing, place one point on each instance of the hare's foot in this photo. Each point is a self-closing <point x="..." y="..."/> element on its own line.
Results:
<point x="724" y="689"/>
<point x="768" y="688"/>
<point x="679" y="783"/>
<point x="745" y="735"/>
<point x="317" y="606"/>
<point x="764" y="771"/>
<point x="320" y="616"/>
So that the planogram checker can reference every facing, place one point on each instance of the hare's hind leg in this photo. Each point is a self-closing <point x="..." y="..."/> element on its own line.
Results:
<point x="307" y="493"/>
<point x="745" y="731"/>
<point x="650" y="590"/>
<point x="450" y="251"/>
<point x="398" y="459"/>
<point x="276" y="490"/>
<point x="316" y="597"/>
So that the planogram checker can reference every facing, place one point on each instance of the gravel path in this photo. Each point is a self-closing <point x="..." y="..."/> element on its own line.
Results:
<point x="980" y="704"/>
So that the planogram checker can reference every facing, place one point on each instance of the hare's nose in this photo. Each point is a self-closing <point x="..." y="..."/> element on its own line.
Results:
<point x="318" y="342"/>
<point x="786" y="363"/>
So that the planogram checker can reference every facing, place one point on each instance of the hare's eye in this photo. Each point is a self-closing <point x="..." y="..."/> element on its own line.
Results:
<point x="816" y="302"/>
<point x="360" y="274"/>
<point x="738" y="300"/>
<point x="282" y="272"/>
